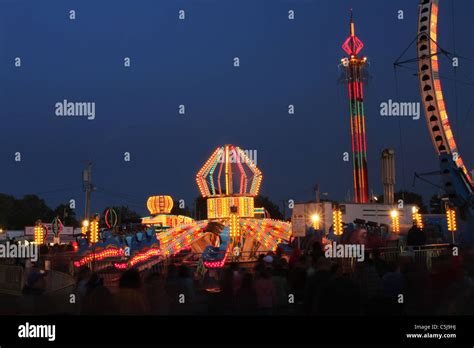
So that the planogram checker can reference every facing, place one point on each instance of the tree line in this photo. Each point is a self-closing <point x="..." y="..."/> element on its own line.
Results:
<point x="16" y="213"/>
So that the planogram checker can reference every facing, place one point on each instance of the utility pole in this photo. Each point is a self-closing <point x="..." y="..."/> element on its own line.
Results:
<point x="283" y="206"/>
<point x="196" y="209"/>
<point x="317" y="192"/>
<point x="88" y="188"/>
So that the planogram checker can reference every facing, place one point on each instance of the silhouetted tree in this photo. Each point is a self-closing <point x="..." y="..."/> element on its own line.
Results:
<point x="200" y="208"/>
<point x="124" y="214"/>
<point x="436" y="205"/>
<point x="409" y="198"/>
<point x="180" y="211"/>
<point x="272" y="208"/>
<point x="67" y="215"/>
<point x="17" y="213"/>
<point x="7" y="204"/>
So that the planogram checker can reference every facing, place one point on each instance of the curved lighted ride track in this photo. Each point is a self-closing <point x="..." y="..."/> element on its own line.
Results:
<point x="457" y="181"/>
<point x="143" y="247"/>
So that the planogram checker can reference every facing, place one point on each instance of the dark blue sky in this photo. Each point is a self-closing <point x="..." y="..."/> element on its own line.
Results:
<point x="190" y="62"/>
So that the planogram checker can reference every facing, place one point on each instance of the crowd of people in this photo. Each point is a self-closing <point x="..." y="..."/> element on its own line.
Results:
<point x="302" y="284"/>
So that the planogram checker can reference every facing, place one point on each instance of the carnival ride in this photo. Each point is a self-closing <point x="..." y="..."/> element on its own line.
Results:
<point x="234" y="228"/>
<point x="456" y="180"/>
<point x="354" y="68"/>
<point x="229" y="180"/>
<point x="120" y="251"/>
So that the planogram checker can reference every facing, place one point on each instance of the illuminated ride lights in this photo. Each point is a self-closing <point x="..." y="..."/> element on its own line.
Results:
<point x="269" y="233"/>
<point x="167" y="221"/>
<point x="419" y="221"/>
<point x="234" y="226"/>
<point x="219" y="207"/>
<point x="159" y="204"/>
<point x="85" y="227"/>
<point x="457" y="181"/>
<point x="174" y="240"/>
<point x="129" y="249"/>
<point x="101" y="255"/>
<point x="40" y="233"/>
<point x="215" y="257"/>
<point x="139" y="258"/>
<point x="111" y="218"/>
<point x="230" y="181"/>
<point x="417" y="218"/>
<point x="315" y="220"/>
<point x="259" y="213"/>
<point x="114" y="252"/>
<point x="228" y="160"/>
<point x="216" y="264"/>
<point x="142" y="257"/>
<point x="94" y="231"/>
<point x="160" y="208"/>
<point x="338" y="226"/>
<point x="395" y="216"/>
<point x="354" y="66"/>
<point x="451" y="219"/>
<point x="57" y="226"/>
<point x="121" y="266"/>
<point x="266" y="231"/>
<point x="430" y="88"/>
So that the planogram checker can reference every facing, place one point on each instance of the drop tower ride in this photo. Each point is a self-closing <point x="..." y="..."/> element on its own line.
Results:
<point x="354" y="65"/>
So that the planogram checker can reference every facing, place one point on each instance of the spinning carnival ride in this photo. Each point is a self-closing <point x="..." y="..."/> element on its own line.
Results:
<point x="234" y="230"/>
<point x="229" y="180"/>
<point x="457" y="182"/>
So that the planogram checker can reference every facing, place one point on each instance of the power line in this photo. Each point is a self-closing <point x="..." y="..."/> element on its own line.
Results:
<point x="122" y="200"/>
<point x="126" y="195"/>
<point x="121" y="197"/>
<point x="56" y="191"/>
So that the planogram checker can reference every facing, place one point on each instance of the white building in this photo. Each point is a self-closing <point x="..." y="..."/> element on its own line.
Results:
<point x="303" y="214"/>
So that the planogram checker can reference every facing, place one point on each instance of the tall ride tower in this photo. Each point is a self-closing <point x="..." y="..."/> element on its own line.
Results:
<point x="354" y="65"/>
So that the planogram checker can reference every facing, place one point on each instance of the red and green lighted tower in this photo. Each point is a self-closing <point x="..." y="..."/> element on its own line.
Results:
<point x="353" y="65"/>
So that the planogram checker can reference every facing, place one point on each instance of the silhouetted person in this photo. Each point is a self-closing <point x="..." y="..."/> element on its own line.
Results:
<point x="416" y="236"/>
<point x="281" y="289"/>
<point x="266" y="293"/>
<point x="246" y="296"/>
<point x="340" y="297"/>
<point x="80" y="289"/>
<point x="366" y="276"/>
<point x="186" y="282"/>
<point x="223" y="301"/>
<point x="380" y="264"/>
<point x="33" y="300"/>
<point x="297" y="279"/>
<point x="316" y="283"/>
<point x="98" y="300"/>
<point x="130" y="299"/>
<point x="158" y="297"/>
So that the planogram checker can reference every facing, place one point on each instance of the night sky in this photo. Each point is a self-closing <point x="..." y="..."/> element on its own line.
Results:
<point x="190" y="62"/>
